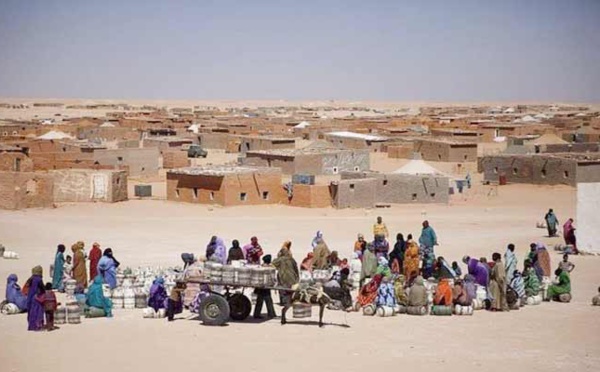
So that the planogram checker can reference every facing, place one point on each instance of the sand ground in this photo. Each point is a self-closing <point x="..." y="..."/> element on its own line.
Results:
<point x="549" y="337"/>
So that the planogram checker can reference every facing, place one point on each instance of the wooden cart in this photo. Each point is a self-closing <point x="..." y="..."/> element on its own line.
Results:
<point x="217" y="308"/>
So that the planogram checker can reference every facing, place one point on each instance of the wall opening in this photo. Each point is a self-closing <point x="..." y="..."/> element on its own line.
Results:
<point x="176" y="193"/>
<point x="385" y="182"/>
<point x="465" y="157"/>
<point x="265" y="195"/>
<point x="195" y="193"/>
<point x="17" y="165"/>
<point x="119" y="158"/>
<point x="515" y="171"/>
<point x="432" y="195"/>
<point x="211" y="195"/>
<point x="414" y="197"/>
<point x="495" y="170"/>
<point x="544" y="173"/>
<point x="352" y="186"/>
<point x="439" y="157"/>
<point x="357" y="169"/>
<point x="243" y="196"/>
<point x="566" y="174"/>
<point x="31" y="187"/>
<point x="335" y="170"/>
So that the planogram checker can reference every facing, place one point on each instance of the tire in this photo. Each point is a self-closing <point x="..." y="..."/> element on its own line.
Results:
<point x="214" y="310"/>
<point x="240" y="307"/>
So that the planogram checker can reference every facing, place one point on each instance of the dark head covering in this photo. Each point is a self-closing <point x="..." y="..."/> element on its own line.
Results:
<point x="267" y="259"/>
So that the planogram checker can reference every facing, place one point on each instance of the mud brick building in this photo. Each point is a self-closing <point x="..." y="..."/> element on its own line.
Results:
<point x="226" y="186"/>
<point x="314" y="161"/>
<point x="446" y="150"/>
<point x="353" y="140"/>
<point x="541" y="169"/>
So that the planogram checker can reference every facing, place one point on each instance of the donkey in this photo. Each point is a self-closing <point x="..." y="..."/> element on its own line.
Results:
<point x="310" y="295"/>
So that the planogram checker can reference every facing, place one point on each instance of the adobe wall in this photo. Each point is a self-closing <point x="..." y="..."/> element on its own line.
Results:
<point x="404" y="188"/>
<point x="462" y="154"/>
<point x="588" y="218"/>
<point x="163" y="145"/>
<point x="588" y="173"/>
<point x="195" y="189"/>
<point x="85" y="185"/>
<point x="355" y="193"/>
<point x="10" y="161"/>
<point x="573" y="147"/>
<point x="138" y="161"/>
<point x="175" y="159"/>
<point x="346" y="161"/>
<point x="311" y="196"/>
<point x="399" y="152"/>
<point x="287" y="164"/>
<point x="258" y="143"/>
<point x="20" y="190"/>
<point x="218" y="141"/>
<point x="432" y="151"/>
<point x="541" y="170"/>
<point x="226" y="190"/>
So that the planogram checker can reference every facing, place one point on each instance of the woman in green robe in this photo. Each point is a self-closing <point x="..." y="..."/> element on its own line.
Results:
<point x="59" y="263"/>
<point x="563" y="286"/>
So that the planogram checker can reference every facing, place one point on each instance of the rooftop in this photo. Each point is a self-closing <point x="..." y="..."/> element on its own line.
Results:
<point x="222" y="170"/>
<point x="366" y="137"/>
<point x="303" y="151"/>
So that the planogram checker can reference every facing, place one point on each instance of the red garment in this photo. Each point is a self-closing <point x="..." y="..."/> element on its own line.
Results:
<point x="95" y="255"/>
<point x="368" y="293"/>
<point x="307" y="262"/>
<point x="48" y="300"/>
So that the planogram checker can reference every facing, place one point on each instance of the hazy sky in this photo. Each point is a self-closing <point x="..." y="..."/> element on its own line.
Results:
<point x="417" y="50"/>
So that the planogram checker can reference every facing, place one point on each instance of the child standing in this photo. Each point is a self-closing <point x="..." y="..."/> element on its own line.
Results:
<point x="175" y="301"/>
<point x="456" y="268"/>
<point x="68" y="268"/>
<point x="48" y="301"/>
<point x="565" y="265"/>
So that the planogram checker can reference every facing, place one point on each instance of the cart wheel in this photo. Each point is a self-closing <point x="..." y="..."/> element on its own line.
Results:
<point x="240" y="306"/>
<point x="214" y="310"/>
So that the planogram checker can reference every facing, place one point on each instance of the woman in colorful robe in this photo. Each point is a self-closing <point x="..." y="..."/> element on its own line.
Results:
<point x="253" y="251"/>
<point x="443" y="294"/>
<point x="569" y="234"/>
<point x="563" y="286"/>
<point x="94" y="256"/>
<point x="418" y="293"/>
<point x="510" y="258"/>
<point x="14" y="294"/>
<point x="498" y="284"/>
<point x="411" y="261"/>
<point x="158" y="294"/>
<point x="79" y="269"/>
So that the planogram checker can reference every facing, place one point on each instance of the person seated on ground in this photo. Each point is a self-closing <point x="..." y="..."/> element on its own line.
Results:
<point x="383" y="267"/>
<point x="318" y="237"/>
<point x="235" y="252"/>
<point x="498" y="284"/>
<point x="344" y="264"/>
<point x="175" y="300"/>
<point x="565" y="264"/>
<point x="460" y="295"/>
<point x="333" y="259"/>
<point x="95" y="297"/>
<point x="456" y="268"/>
<point x="531" y="280"/>
<point x="48" y="301"/>
<point x="264" y="295"/>
<point x="360" y="245"/>
<point x="443" y="293"/>
<point x="441" y="269"/>
<point x="596" y="299"/>
<point x="478" y="270"/>
<point x="470" y="287"/>
<point x="321" y="257"/>
<point x="369" y="265"/>
<point x="385" y="293"/>
<point x="562" y="287"/>
<point x="14" y="294"/>
<point x="417" y="295"/>
<point x="368" y="292"/>
<point x="188" y="259"/>
<point x="307" y="262"/>
<point x="400" y="293"/>
<point x="158" y="294"/>
<point x="518" y="285"/>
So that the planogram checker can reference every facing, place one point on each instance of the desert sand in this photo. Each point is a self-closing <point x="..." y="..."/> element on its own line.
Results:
<point x="549" y="337"/>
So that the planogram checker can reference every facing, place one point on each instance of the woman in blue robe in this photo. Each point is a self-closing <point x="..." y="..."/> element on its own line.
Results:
<point x="13" y="293"/>
<point x="95" y="297"/>
<point x="59" y="263"/>
<point x="107" y="267"/>
<point x="158" y="294"/>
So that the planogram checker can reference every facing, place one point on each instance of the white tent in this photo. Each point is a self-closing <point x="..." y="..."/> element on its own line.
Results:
<point x="194" y="128"/>
<point x="107" y="124"/>
<point x="54" y="134"/>
<point x="418" y="166"/>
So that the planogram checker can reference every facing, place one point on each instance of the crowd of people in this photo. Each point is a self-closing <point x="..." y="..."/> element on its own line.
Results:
<point x="383" y="276"/>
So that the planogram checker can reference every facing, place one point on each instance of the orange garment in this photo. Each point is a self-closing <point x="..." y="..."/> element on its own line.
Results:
<point x="79" y="270"/>
<point x="411" y="261"/>
<point x="443" y="294"/>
